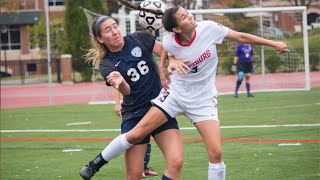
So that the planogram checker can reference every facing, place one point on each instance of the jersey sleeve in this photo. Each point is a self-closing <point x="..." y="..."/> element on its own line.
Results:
<point x="105" y="68"/>
<point x="219" y="31"/>
<point x="144" y="39"/>
<point x="166" y="43"/>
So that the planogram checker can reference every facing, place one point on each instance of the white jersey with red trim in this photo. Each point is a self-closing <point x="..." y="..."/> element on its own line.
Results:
<point x="201" y="57"/>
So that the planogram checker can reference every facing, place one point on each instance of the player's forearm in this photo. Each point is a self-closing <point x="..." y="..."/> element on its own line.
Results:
<point x="252" y="39"/>
<point x="124" y="88"/>
<point x="235" y="60"/>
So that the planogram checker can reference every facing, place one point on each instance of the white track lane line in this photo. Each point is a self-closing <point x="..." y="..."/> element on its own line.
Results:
<point x="182" y="128"/>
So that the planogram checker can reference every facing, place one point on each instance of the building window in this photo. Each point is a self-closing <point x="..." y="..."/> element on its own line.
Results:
<point x="31" y="67"/>
<point x="55" y="2"/>
<point x="10" y="37"/>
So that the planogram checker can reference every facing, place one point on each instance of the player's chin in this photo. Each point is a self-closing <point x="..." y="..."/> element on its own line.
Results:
<point x="194" y="23"/>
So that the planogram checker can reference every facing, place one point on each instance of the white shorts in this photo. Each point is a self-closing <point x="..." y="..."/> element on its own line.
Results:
<point x="196" y="111"/>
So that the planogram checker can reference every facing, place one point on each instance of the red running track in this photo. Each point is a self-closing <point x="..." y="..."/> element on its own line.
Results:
<point x="82" y="93"/>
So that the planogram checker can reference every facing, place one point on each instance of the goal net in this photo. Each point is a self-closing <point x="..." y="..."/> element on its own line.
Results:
<point x="272" y="72"/>
<point x="102" y="94"/>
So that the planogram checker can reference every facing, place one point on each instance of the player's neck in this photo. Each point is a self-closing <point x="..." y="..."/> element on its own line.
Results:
<point x="187" y="38"/>
<point x="116" y="48"/>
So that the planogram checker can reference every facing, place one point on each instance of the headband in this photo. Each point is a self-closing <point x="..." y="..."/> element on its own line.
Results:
<point x="98" y="23"/>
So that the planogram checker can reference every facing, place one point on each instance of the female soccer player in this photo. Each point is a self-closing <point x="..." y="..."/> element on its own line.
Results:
<point x="127" y="64"/>
<point x="192" y="90"/>
<point x="193" y="94"/>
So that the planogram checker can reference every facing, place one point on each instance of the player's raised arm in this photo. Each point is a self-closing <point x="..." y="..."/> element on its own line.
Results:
<point x="246" y="38"/>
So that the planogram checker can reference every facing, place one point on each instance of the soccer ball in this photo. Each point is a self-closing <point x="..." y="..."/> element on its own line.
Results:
<point x="148" y="20"/>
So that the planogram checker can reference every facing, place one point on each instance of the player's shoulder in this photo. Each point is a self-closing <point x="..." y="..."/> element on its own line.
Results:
<point x="141" y="35"/>
<point x="168" y="39"/>
<point x="209" y="23"/>
<point x="106" y="61"/>
<point x="168" y="36"/>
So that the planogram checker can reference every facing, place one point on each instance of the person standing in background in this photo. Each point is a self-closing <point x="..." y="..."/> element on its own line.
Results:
<point x="242" y="64"/>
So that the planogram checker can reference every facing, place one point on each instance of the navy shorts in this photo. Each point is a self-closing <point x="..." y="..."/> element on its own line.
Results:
<point x="129" y="124"/>
<point x="245" y="67"/>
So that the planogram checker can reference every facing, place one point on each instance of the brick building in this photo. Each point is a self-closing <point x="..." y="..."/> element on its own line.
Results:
<point x="16" y="16"/>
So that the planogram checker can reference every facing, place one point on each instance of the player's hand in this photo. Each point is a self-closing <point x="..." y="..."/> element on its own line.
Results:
<point x="234" y="68"/>
<point x="178" y="65"/>
<point x="280" y="47"/>
<point x="115" y="79"/>
<point x="164" y="77"/>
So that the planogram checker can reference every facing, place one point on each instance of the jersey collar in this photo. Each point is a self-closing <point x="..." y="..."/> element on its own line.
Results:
<point x="177" y="39"/>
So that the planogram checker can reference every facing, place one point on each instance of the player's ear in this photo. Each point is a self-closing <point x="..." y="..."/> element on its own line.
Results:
<point x="100" y="40"/>
<point x="176" y="30"/>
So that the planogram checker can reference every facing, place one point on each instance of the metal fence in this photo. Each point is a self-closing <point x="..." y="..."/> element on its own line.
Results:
<point x="22" y="72"/>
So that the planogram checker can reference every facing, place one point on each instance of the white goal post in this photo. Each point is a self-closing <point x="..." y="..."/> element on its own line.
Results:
<point x="288" y="24"/>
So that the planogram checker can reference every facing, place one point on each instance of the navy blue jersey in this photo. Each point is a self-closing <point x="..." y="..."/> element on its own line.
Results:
<point x="136" y="64"/>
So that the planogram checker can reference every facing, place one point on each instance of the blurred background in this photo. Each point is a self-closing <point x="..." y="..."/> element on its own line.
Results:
<point x="24" y="53"/>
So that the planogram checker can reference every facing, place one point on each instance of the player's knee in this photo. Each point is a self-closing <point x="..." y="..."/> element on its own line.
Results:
<point x="215" y="155"/>
<point x="175" y="163"/>
<point x="240" y="76"/>
<point x="134" y="137"/>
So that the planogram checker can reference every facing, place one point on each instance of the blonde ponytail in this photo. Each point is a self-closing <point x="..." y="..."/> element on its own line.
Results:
<point x="95" y="54"/>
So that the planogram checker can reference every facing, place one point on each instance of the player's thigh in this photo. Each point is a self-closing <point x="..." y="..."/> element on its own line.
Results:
<point x="210" y="132"/>
<point x="202" y="110"/>
<point x="170" y="143"/>
<point x="128" y="125"/>
<point x="134" y="158"/>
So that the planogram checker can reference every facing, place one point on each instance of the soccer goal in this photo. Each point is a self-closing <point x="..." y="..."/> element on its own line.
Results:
<point x="272" y="72"/>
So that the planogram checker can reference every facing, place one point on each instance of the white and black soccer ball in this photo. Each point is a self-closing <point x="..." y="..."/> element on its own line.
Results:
<point x="148" y="20"/>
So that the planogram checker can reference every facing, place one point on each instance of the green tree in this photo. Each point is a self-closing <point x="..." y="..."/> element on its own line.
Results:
<point x="240" y="21"/>
<point x="10" y="5"/>
<point x="76" y="32"/>
<point x="38" y="37"/>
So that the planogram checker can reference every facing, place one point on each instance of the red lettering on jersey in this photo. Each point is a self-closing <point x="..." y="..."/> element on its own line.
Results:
<point x="204" y="56"/>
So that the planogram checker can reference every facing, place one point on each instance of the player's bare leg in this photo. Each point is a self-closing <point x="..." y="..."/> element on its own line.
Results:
<point x="152" y="120"/>
<point x="134" y="158"/>
<point x="171" y="144"/>
<point x="210" y="132"/>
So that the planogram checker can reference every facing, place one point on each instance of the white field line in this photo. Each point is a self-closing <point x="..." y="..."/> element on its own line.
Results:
<point x="71" y="150"/>
<point x="182" y="128"/>
<point x="289" y="144"/>
<point x="78" y="123"/>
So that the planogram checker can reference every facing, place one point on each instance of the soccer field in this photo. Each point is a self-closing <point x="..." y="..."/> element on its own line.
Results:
<point x="271" y="136"/>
